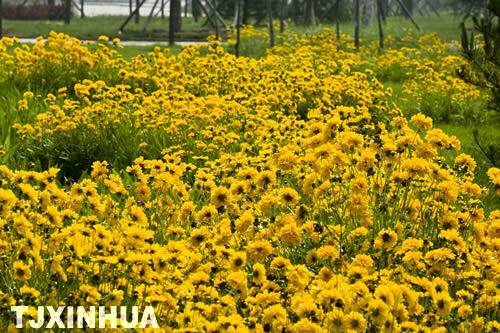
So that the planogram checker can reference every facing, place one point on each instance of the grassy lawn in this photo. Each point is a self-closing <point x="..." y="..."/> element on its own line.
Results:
<point x="489" y="135"/>
<point x="92" y="27"/>
<point x="446" y="26"/>
<point x="130" y="51"/>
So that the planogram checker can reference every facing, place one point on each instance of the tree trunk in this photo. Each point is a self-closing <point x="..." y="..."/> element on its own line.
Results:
<point x="384" y="4"/>
<point x="236" y="9"/>
<point x="356" y="23"/>
<point x="82" y="12"/>
<point x="67" y="11"/>
<point x="379" y="21"/>
<point x="1" y="18"/>
<point x="238" y="28"/>
<point x="195" y="10"/>
<point x="271" y="27"/>
<point x="246" y="12"/>
<point x="213" y="15"/>
<point x="410" y="5"/>
<point x="337" y="19"/>
<point x="51" y="4"/>
<point x="283" y="4"/>
<point x="367" y="12"/>
<point x="294" y="10"/>
<point x="186" y="6"/>
<point x="310" y="12"/>
<point x="175" y="20"/>
<point x="138" y="12"/>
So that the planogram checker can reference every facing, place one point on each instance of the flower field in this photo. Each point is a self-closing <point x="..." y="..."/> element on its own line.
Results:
<point x="284" y="193"/>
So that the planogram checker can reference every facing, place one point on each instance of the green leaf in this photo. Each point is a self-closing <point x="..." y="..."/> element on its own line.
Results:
<point x="7" y="142"/>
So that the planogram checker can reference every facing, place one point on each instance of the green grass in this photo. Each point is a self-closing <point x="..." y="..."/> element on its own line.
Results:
<point x="447" y="26"/>
<point x="492" y="136"/>
<point x="93" y="27"/>
<point x="130" y="51"/>
<point x="489" y="135"/>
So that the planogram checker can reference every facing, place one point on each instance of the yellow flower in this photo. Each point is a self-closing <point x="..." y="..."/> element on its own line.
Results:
<point x="466" y="162"/>
<point x="238" y="281"/>
<point x="384" y="293"/>
<point x="199" y="236"/>
<point x="99" y="170"/>
<point x="335" y="320"/>
<point x="290" y="234"/>
<point x="115" y="298"/>
<point x="422" y="121"/>
<point x="7" y="200"/>
<point x="30" y="292"/>
<point x="354" y="321"/>
<point x="244" y="221"/>
<point x="494" y="174"/>
<point x="221" y="197"/>
<point x="238" y="260"/>
<point x="82" y="89"/>
<point x="259" y="273"/>
<point x="28" y="94"/>
<point x="289" y="196"/>
<point x="298" y="277"/>
<point x="386" y="239"/>
<point x="22" y="272"/>
<point x="378" y="310"/>
<point x="275" y="317"/>
<point x="259" y="250"/>
<point x="22" y="104"/>
<point x="416" y="167"/>
<point x="327" y="252"/>
<point x="443" y="304"/>
<point x="266" y="179"/>
<point x="464" y="311"/>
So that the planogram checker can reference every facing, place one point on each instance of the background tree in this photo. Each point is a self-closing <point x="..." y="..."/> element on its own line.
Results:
<point x="307" y="12"/>
<point x="271" y="26"/>
<point x="356" y="23"/>
<point x="409" y="5"/>
<point x="468" y="8"/>
<point x="283" y="4"/>
<point x="1" y="18"/>
<point x="484" y="57"/>
<point x="175" y="20"/>
<point x="52" y="5"/>
<point x="368" y="6"/>
<point x="310" y="10"/>
<point x="138" y="12"/>
<point x="195" y="10"/>
<point x="67" y="11"/>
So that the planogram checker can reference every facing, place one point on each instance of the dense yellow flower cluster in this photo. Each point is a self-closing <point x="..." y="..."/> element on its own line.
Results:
<point x="58" y="61"/>
<point x="290" y="196"/>
<point x="428" y="71"/>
